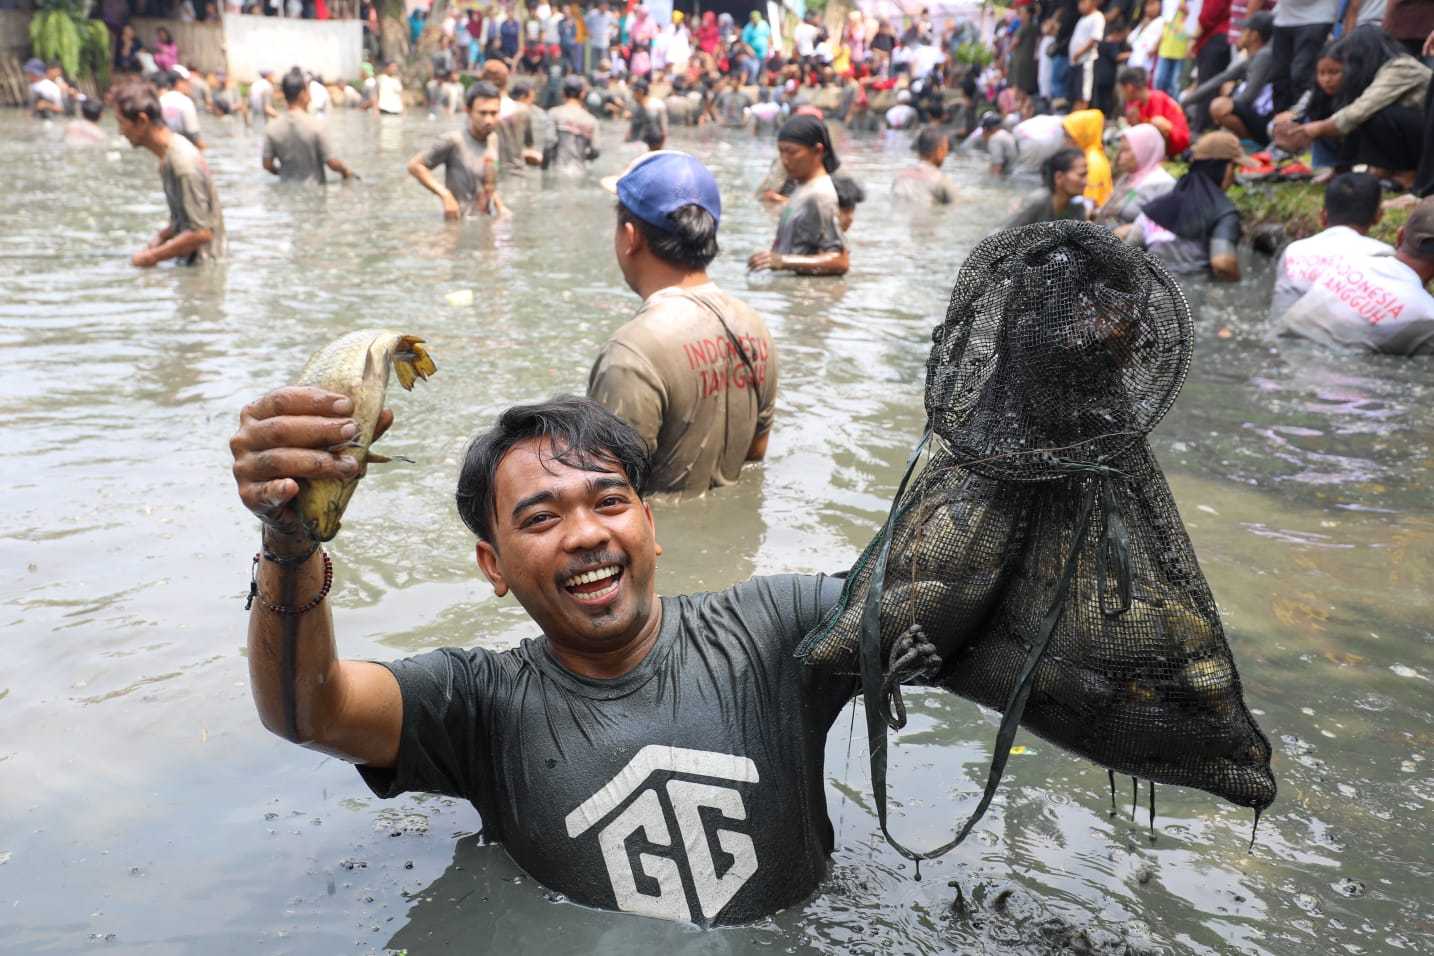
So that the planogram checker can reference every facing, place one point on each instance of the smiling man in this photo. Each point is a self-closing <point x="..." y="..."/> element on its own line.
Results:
<point x="656" y="755"/>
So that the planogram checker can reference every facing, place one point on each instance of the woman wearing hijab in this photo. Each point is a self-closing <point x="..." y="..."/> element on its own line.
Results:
<point x="1195" y="226"/>
<point x="809" y="237"/>
<point x="708" y="36"/>
<point x="1141" y="177"/>
<point x="1083" y="128"/>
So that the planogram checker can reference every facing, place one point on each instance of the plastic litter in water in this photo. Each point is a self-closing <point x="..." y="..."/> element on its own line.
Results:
<point x="460" y="297"/>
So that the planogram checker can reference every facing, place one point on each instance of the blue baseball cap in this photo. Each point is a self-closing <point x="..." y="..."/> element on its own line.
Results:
<point x="659" y="183"/>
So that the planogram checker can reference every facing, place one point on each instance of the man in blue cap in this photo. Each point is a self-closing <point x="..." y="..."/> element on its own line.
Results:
<point x="695" y="370"/>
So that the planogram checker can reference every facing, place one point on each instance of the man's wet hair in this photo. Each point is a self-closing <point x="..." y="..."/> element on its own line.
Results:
<point x="641" y="86"/>
<point x="652" y="136"/>
<point x="691" y="243"/>
<point x="580" y="433"/>
<point x="91" y="109"/>
<point x="137" y="98"/>
<point x="1352" y="199"/>
<point x="928" y="141"/>
<point x="848" y="190"/>
<point x="1135" y="76"/>
<point x="1062" y="162"/>
<point x="482" y="90"/>
<point x="573" y="86"/>
<point x="293" y="84"/>
<point x="520" y="90"/>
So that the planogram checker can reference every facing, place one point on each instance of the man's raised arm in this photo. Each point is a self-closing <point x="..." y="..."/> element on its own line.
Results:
<point x="303" y="692"/>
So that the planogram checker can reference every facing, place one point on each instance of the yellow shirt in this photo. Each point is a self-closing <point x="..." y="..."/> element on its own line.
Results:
<point x="1174" y="41"/>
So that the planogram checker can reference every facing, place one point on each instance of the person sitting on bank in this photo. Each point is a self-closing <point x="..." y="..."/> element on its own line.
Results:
<point x="469" y="157"/>
<point x="1240" y="99"/>
<point x="296" y="145"/>
<point x="809" y="236"/>
<point x="195" y="231"/>
<point x="1351" y="209"/>
<point x="1379" y="108"/>
<point x="923" y="182"/>
<point x="1195" y="226"/>
<point x="1140" y="175"/>
<point x="567" y="744"/>
<point x="695" y="371"/>
<point x="1376" y="303"/>
<point x="1063" y="196"/>
<point x="996" y="142"/>
<point x="1144" y="105"/>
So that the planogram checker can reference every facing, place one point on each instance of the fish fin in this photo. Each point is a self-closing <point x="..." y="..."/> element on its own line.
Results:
<point x="374" y="458"/>
<point x="411" y="361"/>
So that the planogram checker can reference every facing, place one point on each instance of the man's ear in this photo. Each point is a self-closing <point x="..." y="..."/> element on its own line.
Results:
<point x="1399" y="238"/>
<point x="631" y="239"/>
<point x="488" y="564"/>
<point x="651" y="523"/>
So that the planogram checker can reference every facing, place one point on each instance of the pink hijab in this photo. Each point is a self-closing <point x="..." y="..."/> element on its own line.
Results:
<point x="1149" y="148"/>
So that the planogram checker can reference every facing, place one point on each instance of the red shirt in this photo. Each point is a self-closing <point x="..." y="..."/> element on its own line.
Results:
<point x="1159" y="104"/>
<point x="1214" y="20"/>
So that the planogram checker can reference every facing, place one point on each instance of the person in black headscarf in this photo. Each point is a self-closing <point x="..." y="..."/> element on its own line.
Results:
<point x="1195" y="226"/>
<point x="809" y="236"/>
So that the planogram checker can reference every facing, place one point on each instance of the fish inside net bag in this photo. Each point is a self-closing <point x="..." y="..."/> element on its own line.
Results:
<point x="1037" y="563"/>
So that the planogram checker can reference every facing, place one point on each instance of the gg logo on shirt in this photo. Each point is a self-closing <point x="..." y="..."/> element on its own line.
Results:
<point x="690" y="848"/>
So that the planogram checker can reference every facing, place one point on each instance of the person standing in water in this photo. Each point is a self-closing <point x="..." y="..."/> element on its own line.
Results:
<point x="195" y="231"/>
<point x="695" y="371"/>
<point x="575" y="128"/>
<point x="296" y="145"/>
<point x="924" y="182"/>
<point x="809" y="237"/>
<point x="1064" y="194"/>
<point x="469" y="158"/>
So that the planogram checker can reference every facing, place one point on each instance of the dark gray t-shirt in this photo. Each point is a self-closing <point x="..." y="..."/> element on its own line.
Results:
<point x="808" y="224"/>
<point x="464" y="160"/>
<point x="193" y="201"/>
<point x="691" y="788"/>
<point x="301" y="145"/>
<point x="732" y="106"/>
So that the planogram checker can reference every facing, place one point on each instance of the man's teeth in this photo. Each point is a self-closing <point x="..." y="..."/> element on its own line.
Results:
<point x="589" y="577"/>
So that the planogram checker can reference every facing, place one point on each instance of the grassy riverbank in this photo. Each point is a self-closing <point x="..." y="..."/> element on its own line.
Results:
<point x="1296" y="206"/>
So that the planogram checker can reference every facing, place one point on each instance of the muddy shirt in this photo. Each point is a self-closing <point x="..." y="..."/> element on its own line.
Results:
<point x="732" y="106"/>
<point x="923" y="183"/>
<point x="301" y="145"/>
<point x="690" y="788"/>
<point x="673" y="373"/>
<point x="577" y="134"/>
<point x="193" y="202"/>
<point x="515" y="134"/>
<point x="464" y="160"/>
<point x="808" y="224"/>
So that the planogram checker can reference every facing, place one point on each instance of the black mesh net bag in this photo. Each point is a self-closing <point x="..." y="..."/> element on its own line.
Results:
<point x="1037" y="564"/>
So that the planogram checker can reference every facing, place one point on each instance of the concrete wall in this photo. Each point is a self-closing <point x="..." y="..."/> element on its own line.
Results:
<point x="200" y="44"/>
<point x="15" y="32"/>
<point x="332" y="48"/>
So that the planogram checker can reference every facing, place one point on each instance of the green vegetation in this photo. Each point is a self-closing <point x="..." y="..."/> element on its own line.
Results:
<point x="1296" y="206"/>
<point x="60" y="30"/>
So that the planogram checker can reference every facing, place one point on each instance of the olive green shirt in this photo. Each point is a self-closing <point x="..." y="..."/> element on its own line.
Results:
<point x="674" y="374"/>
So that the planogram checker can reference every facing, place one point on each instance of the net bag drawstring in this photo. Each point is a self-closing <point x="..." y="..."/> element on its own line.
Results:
<point x="1113" y="556"/>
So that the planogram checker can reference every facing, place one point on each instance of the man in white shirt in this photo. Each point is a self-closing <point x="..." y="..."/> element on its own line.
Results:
<point x="805" y="37"/>
<point x="1375" y="303"/>
<point x="389" y="100"/>
<point x="178" y="107"/>
<point x="1084" y="51"/>
<point x="903" y="114"/>
<point x="318" y="94"/>
<point x="1351" y="209"/>
<point x="47" y="92"/>
<point x="261" y="96"/>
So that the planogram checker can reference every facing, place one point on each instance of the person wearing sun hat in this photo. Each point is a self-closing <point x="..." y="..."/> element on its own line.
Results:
<point x="695" y="370"/>
<point x="1195" y="226"/>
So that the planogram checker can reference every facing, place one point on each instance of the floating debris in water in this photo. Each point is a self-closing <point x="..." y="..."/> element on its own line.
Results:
<point x="459" y="298"/>
<point x="1348" y="888"/>
<point x="1403" y="671"/>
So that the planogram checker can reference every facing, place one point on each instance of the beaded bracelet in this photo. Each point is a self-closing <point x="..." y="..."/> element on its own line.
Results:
<point x="284" y="609"/>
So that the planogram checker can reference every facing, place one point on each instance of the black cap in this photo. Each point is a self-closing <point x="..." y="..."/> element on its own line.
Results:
<point x="1262" y="23"/>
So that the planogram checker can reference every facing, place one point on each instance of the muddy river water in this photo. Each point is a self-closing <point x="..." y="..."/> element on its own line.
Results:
<point x="144" y="810"/>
